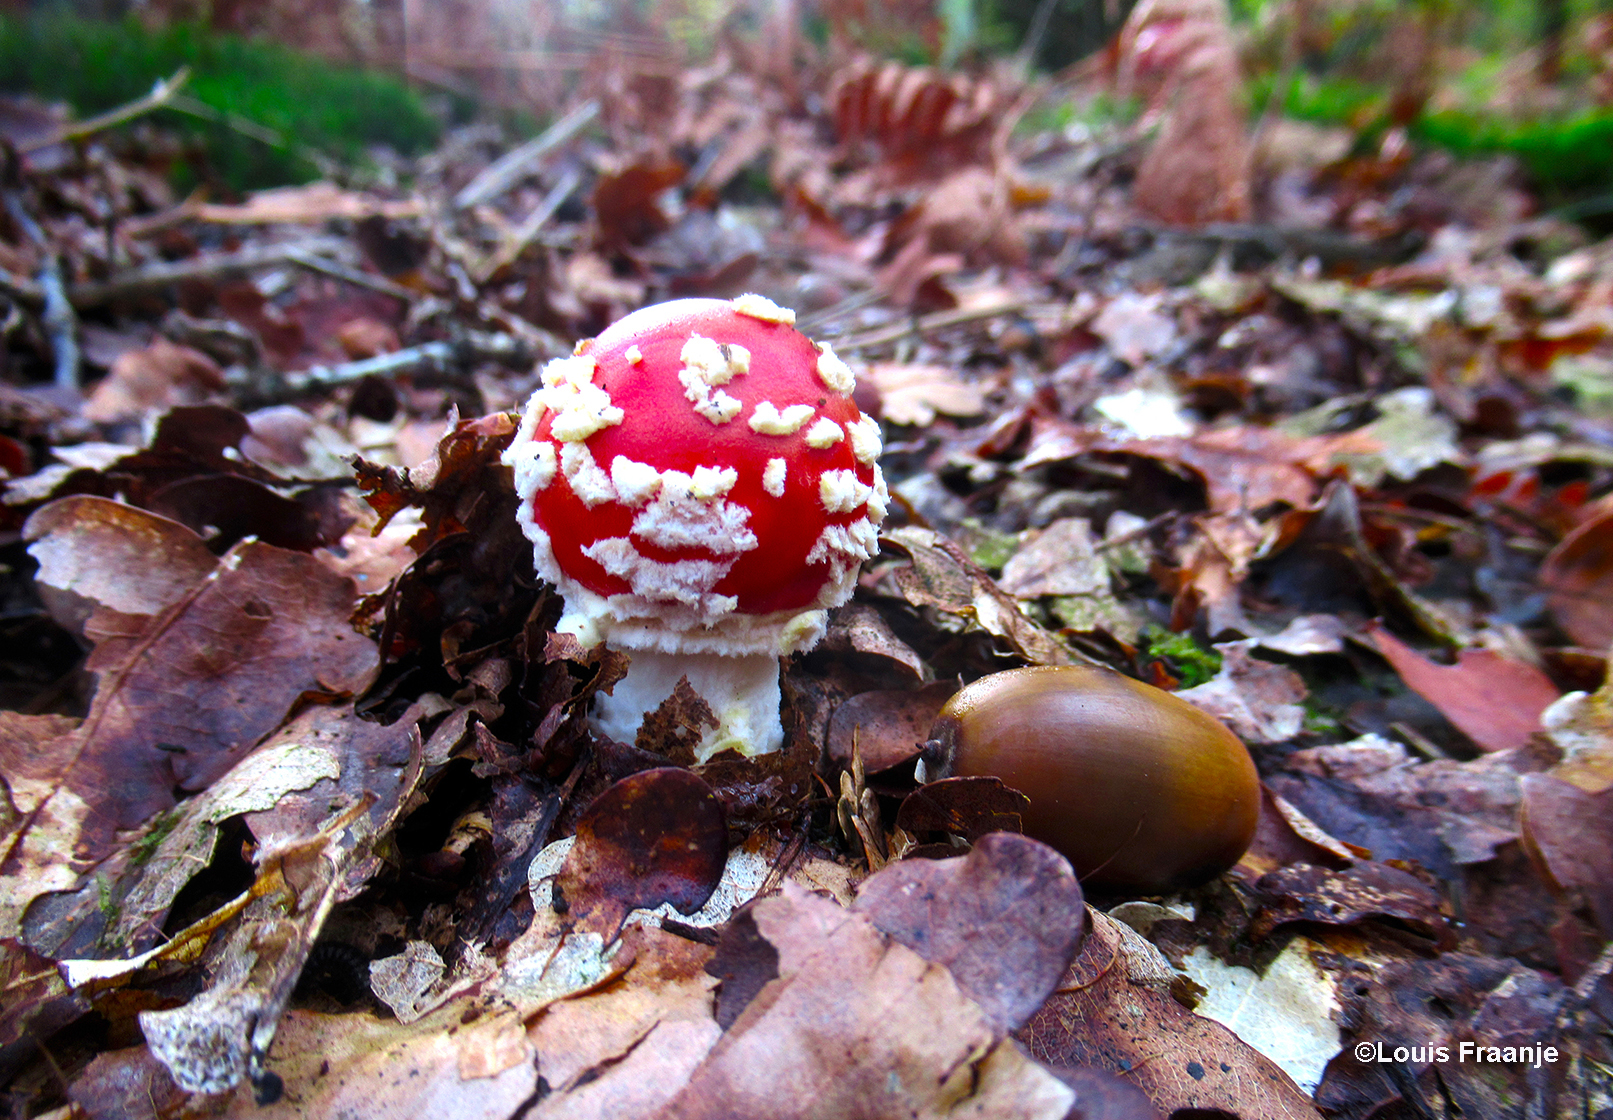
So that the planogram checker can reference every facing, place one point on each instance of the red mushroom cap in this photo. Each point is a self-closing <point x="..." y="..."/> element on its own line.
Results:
<point x="699" y="478"/>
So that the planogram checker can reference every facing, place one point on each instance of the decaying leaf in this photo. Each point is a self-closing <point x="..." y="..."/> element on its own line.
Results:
<point x="1259" y="700"/>
<point x="1570" y="834"/>
<point x="887" y="727"/>
<point x="857" y="1024"/>
<point x="1110" y="1013"/>
<point x="914" y="394"/>
<point x="1578" y="578"/>
<point x="941" y="576"/>
<point x="1005" y="920"/>
<point x="1288" y="1011"/>
<point x="657" y="837"/>
<point x="479" y="1066"/>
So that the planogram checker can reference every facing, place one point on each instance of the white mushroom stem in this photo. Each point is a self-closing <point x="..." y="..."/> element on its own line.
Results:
<point x="743" y="692"/>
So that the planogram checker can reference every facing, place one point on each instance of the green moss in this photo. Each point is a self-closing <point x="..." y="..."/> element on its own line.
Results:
<point x="987" y="547"/>
<point x="141" y="851"/>
<point x="1567" y="156"/>
<point x="315" y="107"/>
<point x="1192" y="664"/>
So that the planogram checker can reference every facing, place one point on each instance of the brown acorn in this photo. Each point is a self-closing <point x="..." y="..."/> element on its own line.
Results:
<point x="1141" y="791"/>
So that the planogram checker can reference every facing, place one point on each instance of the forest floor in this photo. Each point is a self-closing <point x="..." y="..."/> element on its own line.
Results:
<point x="293" y="758"/>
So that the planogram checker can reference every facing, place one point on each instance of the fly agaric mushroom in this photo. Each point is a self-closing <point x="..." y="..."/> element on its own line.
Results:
<point x="700" y="487"/>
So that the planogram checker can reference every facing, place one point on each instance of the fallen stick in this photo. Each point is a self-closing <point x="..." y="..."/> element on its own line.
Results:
<point x="207" y="266"/>
<point x="498" y="176"/>
<point x="162" y="92"/>
<point x="55" y="309"/>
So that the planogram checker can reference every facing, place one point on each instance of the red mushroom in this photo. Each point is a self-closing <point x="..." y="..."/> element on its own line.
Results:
<point x="699" y="485"/>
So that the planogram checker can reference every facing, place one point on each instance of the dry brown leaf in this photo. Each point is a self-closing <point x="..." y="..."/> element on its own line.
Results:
<point x="100" y="559"/>
<point x="922" y="121"/>
<point x="942" y="577"/>
<point x="1259" y="700"/>
<point x="451" y="1063"/>
<point x="886" y="727"/>
<point x="1570" y="835"/>
<point x="241" y="645"/>
<point x="151" y="380"/>
<point x="912" y="393"/>
<point x="317" y="849"/>
<point x="1005" y="920"/>
<point x="1198" y="169"/>
<point x="1110" y="1013"/>
<point x="584" y="1040"/>
<point x="1492" y="699"/>
<point x="652" y="838"/>
<point x="1578" y="579"/>
<point x="856" y="1024"/>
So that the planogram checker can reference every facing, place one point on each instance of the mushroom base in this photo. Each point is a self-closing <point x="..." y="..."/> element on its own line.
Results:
<point x="743" y="692"/>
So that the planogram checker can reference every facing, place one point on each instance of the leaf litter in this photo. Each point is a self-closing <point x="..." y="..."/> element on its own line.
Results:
<point x="303" y="813"/>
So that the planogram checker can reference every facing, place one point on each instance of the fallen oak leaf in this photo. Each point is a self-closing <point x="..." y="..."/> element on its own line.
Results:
<point x="263" y="628"/>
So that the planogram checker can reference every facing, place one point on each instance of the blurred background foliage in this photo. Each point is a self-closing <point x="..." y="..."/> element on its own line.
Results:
<point x="1528" y="78"/>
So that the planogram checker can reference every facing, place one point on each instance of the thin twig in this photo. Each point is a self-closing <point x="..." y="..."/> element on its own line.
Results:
<point x="925" y="324"/>
<point x="162" y="92"/>
<point x="207" y="266"/>
<point x="515" y="244"/>
<point x="472" y="347"/>
<point x="56" y="311"/>
<point x="192" y="107"/>
<point x="313" y="262"/>
<point x="429" y="355"/>
<point x="498" y="176"/>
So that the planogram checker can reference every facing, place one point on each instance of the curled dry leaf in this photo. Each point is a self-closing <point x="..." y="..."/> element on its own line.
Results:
<point x="153" y="380"/>
<point x="1569" y="834"/>
<point x="625" y="199"/>
<point x="1366" y="889"/>
<point x="858" y="628"/>
<point x="655" y="837"/>
<point x="97" y="554"/>
<point x="1286" y="836"/>
<point x="1198" y="169"/>
<point x="1005" y="920"/>
<point x="921" y="120"/>
<point x="941" y="576"/>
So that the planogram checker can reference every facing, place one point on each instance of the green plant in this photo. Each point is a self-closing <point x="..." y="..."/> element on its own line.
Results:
<point x="310" y="107"/>
<point x="1192" y="664"/>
